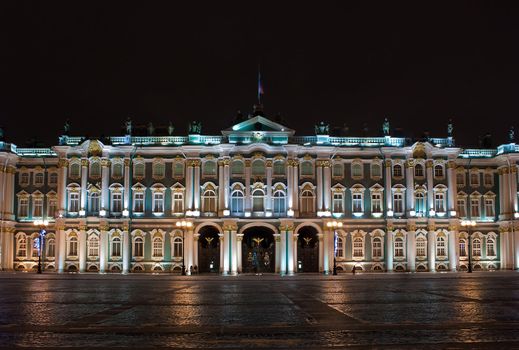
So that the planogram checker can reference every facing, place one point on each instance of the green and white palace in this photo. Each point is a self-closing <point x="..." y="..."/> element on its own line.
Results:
<point x="259" y="199"/>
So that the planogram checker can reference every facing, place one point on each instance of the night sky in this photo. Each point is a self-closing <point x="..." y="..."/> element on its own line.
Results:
<point x="351" y="63"/>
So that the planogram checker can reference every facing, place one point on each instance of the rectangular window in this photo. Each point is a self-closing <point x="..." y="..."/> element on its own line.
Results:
<point x="397" y="170"/>
<point x="117" y="202"/>
<point x="93" y="205"/>
<point x="37" y="207"/>
<point x="158" y="202"/>
<point x="419" y="204"/>
<point x="398" y="203"/>
<point x="377" y="247"/>
<point x="73" y="205"/>
<point x="338" y="200"/>
<point x="52" y="207"/>
<point x="23" y="207"/>
<point x="399" y="247"/>
<point x="421" y="248"/>
<point x="462" y="208"/>
<point x="38" y="179"/>
<point x="460" y="179"/>
<point x="358" y="248"/>
<point x="488" y="180"/>
<point x="474" y="179"/>
<point x="376" y="202"/>
<point x="439" y="202"/>
<point x="357" y="203"/>
<point x="178" y="202"/>
<point x="474" y="207"/>
<point x="24" y="179"/>
<point x="489" y="208"/>
<point x="138" y="202"/>
<point x="376" y="170"/>
<point x="93" y="247"/>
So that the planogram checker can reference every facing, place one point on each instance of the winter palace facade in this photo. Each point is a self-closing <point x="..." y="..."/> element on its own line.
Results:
<point x="258" y="198"/>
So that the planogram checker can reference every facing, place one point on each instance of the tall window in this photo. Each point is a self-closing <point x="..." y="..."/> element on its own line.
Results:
<point x="95" y="169"/>
<point x="117" y="202"/>
<point x="158" y="202"/>
<point x="93" y="202"/>
<point x="376" y="202"/>
<point x="307" y="202"/>
<point x="237" y="168"/>
<point x="398" y="203"/>
<point x="462" y="207"/>
<point x="440" y="246"/>
<point x="376" y="170"/>
<point x="399" y="247"/>
<point x="418" y="170"/>
<point x="377" y="247"/>
<point x="237" y="202"/>
<point x="340" y="247"/>
<point x="138" y="247"/>
<point x="23" y="207"/>
<point x="51" y="248"/>
<point x="117" y="169"/>
<point x="356" y="170"/>
<point x="21" y="249"/>
<point x="177" y="247"/>
<point x="338" y="170"/>
<point x="358" y="247"/>
<point x="258" y="198"/>
<point x="438" y="171"/>
<point x="491" y="247"/>
<point x="460" y="179"/>
<point x="209" y="201"/>
<point x="158" y="170"/>
<point x="474" y="207"/>
<point x="138" y="202"/>
<point x="474" y="179"/>
<point x="38" y="179"/>
<point x="421" y="247"/>
<point x="488" y="181"/>
<point x="93" y="247"/>
<point x="24" y="179"/>
<point x="279" y="167"/>
<point x="178" y="169"/>
<point x="258" y="168"/>
<point x="279" y="203"/>
<point x="209" y="168"/>
<point x="307" y="168"/>
<point x="139" y="169"/>
<point x="74" y="170"/>
<point x="397" y="170"/>
<point x="178" y="202"/>
<point x="72" y="246"/>
<point x="463" y="247"/>
<point x="53" y="179"/>
<point x="489" y="208"/>
<point x="439" y="202"/>
<point x="476" y="247"/>
<point x="37" y="207"/>
<point x="419" y="203"/>
<point x="116" y="247"/>
<point x="358" y="206"/>
<point x="73" y="205"/>
<point x="157" y="247"/>
<point x="338" y="202"/>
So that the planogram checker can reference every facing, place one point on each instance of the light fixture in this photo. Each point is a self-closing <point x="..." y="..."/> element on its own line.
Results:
<point x="82" y="212"/>
<point x="290" y="212"/>
<point x="126" y="212"/>
<point x="452" y="213"/>
<point x="102" y="212"/>
<point x="516" y="215"/>
<point x="390" y="213"/>
<point x="412" y="213"/>
<point x="432" y="212"/>
<point x="247" y="214"/>
<point x="226" y="212"/>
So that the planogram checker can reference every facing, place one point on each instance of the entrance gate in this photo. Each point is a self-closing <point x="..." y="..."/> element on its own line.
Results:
<point x="258" y="250"/>
<point x="308" y="250"/>
<point x="208" y="250"/>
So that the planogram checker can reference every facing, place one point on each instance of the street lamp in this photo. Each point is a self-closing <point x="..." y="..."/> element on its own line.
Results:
<point x="469" y="224"/>
<point x="39" y="244"/>
<point x="183" y="224"/>
<point x="334" y="224"/>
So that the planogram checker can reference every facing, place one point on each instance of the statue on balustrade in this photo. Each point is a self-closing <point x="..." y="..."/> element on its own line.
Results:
<point x="195" y="127"/>
<point x="322" y="128"/>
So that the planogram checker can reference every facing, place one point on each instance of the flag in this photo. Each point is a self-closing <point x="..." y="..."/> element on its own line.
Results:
<point x="260" y="87"/>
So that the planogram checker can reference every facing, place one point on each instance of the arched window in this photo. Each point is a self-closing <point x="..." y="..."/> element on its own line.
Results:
<point x="72" y="246"/>
<point x="356" y="170"/>
<point x="95" y="169"/>
<point x="438" y="171"/>
<point x="157" y="247"/>
<point x="116" y="247"/>
<point x="419" y="203"/>
<point x="117" y="169"/>
<point x="237" y="202"/>
<point x="279" y="203"/>
<point x="377" y="247"/>
<point x="397" y="170"/>
<point x="440" y="246"/>
<point x="93" y="203"/>
<point x="399" y="247"/>
<point x="463" y="247"/>
<point x="158" y="170"/>
<point x="237" y="168"/>
<point x="340" y="247"/>
<point x="491" y="247"/>
<point x="307" y="168"/>
<point x="21" y="246"/>
<point x="338" y="170"/>
<point x="476" y="247"/>
<point x="258" y="200"/>
<point x="75" y="170"/>
<point x="138" y="247"/>
<point x="358" y="247"/>
<point x="209" y="201"/>
<point x="93" y="246"/>
<point x="177" y="247"/>
<point x="279" y="167"/>
<point x="421" y="247"/>
<point x="51" y="248"/>
<point x="209" y="168"/>
<point x="418" y="170"/>
<point x="307" y="202"/>
<point x="258" y="168"/>
<point x="138" y="170"/>
<point x="34" y="246"/>
<point x="376" y="170"/>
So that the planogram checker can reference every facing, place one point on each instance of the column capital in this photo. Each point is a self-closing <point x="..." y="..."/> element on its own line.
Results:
<point x="126" y="161"/>
<point x="62" y="163"/>
<point x="104" y="226"/>
<point x="84" y="162"/>
<point x="429" y="163"/>
<point x="388" y="163"/>
<point x="105" y="162"/>
<point x="451" y="164"/>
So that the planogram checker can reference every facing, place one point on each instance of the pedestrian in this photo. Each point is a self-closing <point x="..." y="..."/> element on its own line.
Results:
<point x="353" y="270"/>
<point x="196" y="270"/>
<point x="191" y="269"/>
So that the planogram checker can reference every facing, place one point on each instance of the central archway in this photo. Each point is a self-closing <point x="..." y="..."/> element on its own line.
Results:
<point x="307" y="249"/>
<point x="258" y="250"/>
<point x="208" y="250"/>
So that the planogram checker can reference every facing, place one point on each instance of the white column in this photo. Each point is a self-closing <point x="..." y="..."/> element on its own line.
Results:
<point x="84" y="182"/>
<point x="61" y="249"/>
<point x="190" y="251"/>
<point x="82" y="249"/>
<point x="126" y="251"/>
<point x="320" y="200"/>
<point x="452" y="190"/>
<point x="247" y="199"/>
<point x="327" y="253"/>
<point x="9" y="193"/>
<point x="409" y="181"/>
<point x="105" y="180"/>
<point x="321" y="252"/>
<point x="277" y="258"/>
<point x="290" y="184"/>
<point x="127" y="193"/>
<point x="506" y="191"/>
<point x="226" y="253"/>
<point x="453" y="257"/>
<point x="234" y="251"/>
<point x="503" y="247"/>
<point x="294" y="251"/>
<point x="221" y="189"/>
<point x="513" y="189"/>
<point x="327" y="185"/>
<point x="103" y="249"/>
<point x="516" y="249"/>
<point x="283" y="256"/>
<point x="387" y="185"/>
<point x="195" y="251"/>
<point x="196" y="199"/>
<point x="430" y="185"/>
<point x="411" y="249"/>
<point x="226" y="180"/>
<point x="189" y="185"/>
<point x="62" y="185"/>
<point x="239" y="239"/>
<point x="268" y="204"/>
<point x="223" y="249"/>
<point x="501" y="194"/>
<point x="389" y="250"/>
<point x="431" y="253"/>
<point x="295" y="189"/>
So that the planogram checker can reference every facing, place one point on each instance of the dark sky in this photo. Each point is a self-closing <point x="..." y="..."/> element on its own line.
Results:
<point x="345" y="62"/>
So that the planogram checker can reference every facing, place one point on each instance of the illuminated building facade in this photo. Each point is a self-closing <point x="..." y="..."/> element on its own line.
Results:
<point x="257" y="198"/>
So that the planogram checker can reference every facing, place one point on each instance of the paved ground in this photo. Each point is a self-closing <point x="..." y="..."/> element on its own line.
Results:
<point x="310" y="311"/>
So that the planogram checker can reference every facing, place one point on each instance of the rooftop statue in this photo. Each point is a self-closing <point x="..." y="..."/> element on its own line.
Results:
<point x="385" y="127"/>
<point x="66" y="127"/>
<point x="450" y="128"/>
<point x="151" y="129"/>
<point x="1" y="134"/>
<point x="128" y="126"/>
<point x="171" y="128"/>
<point x="322" y="128"/>
<point x="511" y="135"/>
<point x="195" y="127"/>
